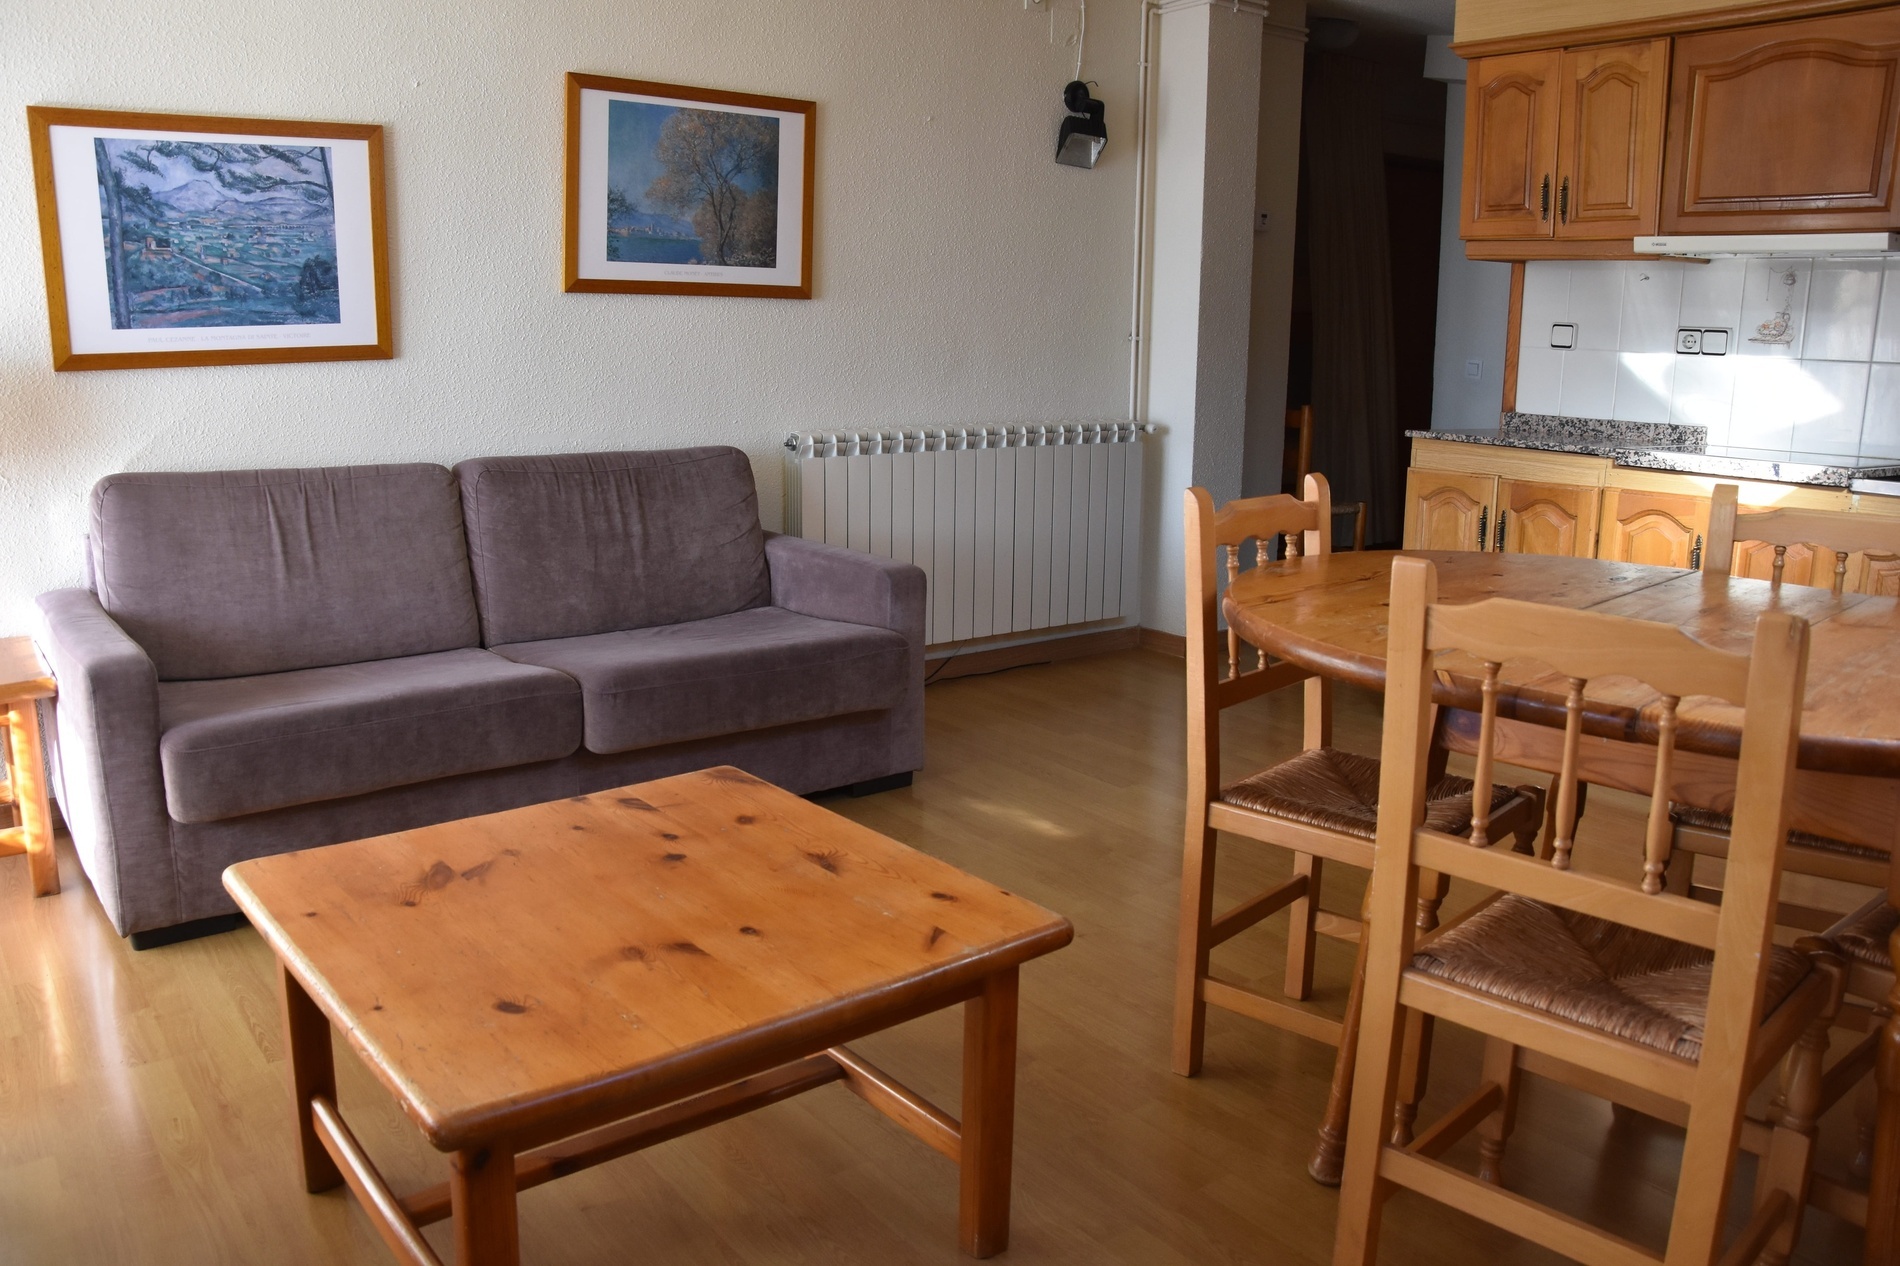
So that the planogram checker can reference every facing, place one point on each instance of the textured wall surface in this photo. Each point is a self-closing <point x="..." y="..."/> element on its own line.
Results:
<point x="962" y="276"/>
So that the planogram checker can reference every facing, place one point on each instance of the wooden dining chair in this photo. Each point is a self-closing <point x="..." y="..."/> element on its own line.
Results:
<point x="1297" y="460"/>
<point x="1811" y="538"/>
<point x="1649" y="995"/>
<point x="1320" y="805"/>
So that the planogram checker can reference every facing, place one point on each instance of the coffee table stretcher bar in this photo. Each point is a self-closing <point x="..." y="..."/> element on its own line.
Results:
<point x="494" y="1154"/>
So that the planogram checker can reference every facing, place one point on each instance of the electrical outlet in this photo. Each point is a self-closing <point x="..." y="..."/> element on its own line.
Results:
<point x="1715" y="342"/>
<point x="1688" y="342"/>
<point x="1474" y="369"/>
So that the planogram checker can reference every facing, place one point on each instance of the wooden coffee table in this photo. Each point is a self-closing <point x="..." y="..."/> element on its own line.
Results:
<point x="553" y="987"/>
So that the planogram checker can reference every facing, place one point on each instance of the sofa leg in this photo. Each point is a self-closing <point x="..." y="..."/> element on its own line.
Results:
<point x="186" y="931"/>
<point x="890" y="782"/>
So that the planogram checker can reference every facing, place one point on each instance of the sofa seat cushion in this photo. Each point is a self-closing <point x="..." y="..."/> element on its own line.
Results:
<point x="246" y="744"/>
<point x="744" y="671"/>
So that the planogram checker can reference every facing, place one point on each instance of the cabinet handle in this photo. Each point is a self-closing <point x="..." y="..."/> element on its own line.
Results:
<point x="1695" y="554"/>
<point x="1484" y="526"/>
<point x="1503" y="514"/>
<point x="1543" y="201"/>
<point x="1563" y="202"/>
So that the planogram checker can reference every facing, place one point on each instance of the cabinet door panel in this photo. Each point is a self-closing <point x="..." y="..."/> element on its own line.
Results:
<point x="1661" y="529"/>
<point x="1539" y="518"/>
<point x="1875" y="574"/>
<point x="1511" y="145"/>
<point x="1791" y="126"/>
<point x="1610" y="140"/>
<point x="1448" y="511"/>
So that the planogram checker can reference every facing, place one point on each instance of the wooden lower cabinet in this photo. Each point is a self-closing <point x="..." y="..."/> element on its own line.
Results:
<point x="1448" y="510"/>
<point x="1658" y="528"/>
<point x="1546" y="518"/>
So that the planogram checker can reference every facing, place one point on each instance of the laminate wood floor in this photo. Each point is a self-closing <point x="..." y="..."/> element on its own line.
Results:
<point x="144" y="1116"/>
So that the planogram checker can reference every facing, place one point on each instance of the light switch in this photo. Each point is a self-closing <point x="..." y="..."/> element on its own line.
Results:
<point x="1474" y="369"/>
<point x="1715" y="342"/>
<point x="1563" y="336"/>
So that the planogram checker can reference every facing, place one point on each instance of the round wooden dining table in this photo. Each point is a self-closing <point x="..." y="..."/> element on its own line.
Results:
<point x="1327" y="613"/>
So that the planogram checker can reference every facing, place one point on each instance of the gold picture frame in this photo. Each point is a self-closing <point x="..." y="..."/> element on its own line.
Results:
<point x="185" y="239"/>
<point x="643" y="218"/>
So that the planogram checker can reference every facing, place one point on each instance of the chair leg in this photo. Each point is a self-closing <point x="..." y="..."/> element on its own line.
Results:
<point x="1329" y="1149"/>
<point x="1415" y="1064"/>
<point x="1191" y="951"/>
<point x="1786" y="1167"/>
<point x="1883" y="1179"/>
<point x="1301" y="929"/>
<point x="1500" y="1068"/>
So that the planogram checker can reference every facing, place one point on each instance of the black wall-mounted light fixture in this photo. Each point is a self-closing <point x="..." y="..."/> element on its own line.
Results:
<point x="1083" y="134"/>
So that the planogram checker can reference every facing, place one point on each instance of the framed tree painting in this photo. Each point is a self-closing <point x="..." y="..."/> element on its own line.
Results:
<point x="175" y="239"/>
<point x="687" y="191"/>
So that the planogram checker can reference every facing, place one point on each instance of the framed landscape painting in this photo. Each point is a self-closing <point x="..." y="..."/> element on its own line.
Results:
<point x="197" y="240"/>
<point x="682" y="191"/>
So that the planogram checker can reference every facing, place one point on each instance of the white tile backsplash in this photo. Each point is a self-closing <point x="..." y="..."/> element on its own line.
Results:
<point x="1774" y="306"/>
<point x="1645" y="382"/>
<point x="1652" y="300"/>
<point x="1824" y="379"/>
<point x="1540" y="379"/>
<point x="1589" y="388"/>
<point x="1843" y="303"/>
<point x="1880" y="425"/>
<point x="1596" y="306"/>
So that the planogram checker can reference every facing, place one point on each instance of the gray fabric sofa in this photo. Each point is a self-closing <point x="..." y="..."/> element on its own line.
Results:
<point x="274" y="660"/>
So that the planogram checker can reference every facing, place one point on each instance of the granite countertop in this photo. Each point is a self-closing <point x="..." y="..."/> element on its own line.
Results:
<point x="1672" y="446"/>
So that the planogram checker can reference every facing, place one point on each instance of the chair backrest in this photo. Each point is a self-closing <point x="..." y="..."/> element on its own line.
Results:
<point x="1767" y="683"/>
<point x="1214" y="548"/>
<point x="1821" y="532"/>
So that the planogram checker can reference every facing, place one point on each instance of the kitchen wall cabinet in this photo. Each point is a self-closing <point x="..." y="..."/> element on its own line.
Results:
<point x="1565" y="143"/>
<point x="1658" y="528"/>
<point x="1511" y="108"/>
<point x="1793" y="126"/>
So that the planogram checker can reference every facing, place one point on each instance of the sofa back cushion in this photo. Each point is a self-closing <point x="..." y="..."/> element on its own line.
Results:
<point x="600" y="542"/>
<point x="236" y="573"/>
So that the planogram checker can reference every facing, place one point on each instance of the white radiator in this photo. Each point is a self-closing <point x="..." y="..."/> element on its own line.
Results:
<point x="1019" y="527"/>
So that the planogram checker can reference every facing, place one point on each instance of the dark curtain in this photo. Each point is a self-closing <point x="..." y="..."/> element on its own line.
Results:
<point x="1354" y="417"/>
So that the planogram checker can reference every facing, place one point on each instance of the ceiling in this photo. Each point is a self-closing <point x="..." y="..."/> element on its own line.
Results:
<point x="1409" y="17"/>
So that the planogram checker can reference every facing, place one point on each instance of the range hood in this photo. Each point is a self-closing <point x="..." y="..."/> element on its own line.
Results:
<point x="1707" y="246"/>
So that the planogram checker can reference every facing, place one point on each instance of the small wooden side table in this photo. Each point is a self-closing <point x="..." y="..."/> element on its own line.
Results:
<point x="24" y="681"/>
<point x="552" y="987"/>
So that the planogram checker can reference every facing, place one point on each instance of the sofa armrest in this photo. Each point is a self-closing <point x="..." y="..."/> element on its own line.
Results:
<point x="830" y="583"/>
<point x="112" y="789"/>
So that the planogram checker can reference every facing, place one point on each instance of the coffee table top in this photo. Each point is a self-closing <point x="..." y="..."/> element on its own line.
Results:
<point x="526" y="974"/>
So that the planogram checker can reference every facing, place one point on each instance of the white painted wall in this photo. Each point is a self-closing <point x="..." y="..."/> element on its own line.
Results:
<point x="962" y="276"/>
<point x="1206" y="128"/>
<point x="1474" y="304"/>
<point x="1276" y="192"/>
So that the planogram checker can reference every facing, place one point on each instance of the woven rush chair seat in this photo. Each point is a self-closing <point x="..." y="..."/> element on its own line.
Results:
<point x="1339" y="791"/>
<point x="1715" y="820"/>
<point x="1618" y="980"/>
<point x="1863" y="935"/>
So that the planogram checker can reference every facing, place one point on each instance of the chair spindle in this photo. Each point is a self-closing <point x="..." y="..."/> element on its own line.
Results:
<point x="1660" y="833"/>
<point x="1293" y="544"/>
<point x="1233" y="636"/>
<point x="1261" y="547"/>
<point x="1487" y="734"/>
<point x="1566" y="828"/>
<point x="1840" y="571"/>
<point x="1781" y="561"/>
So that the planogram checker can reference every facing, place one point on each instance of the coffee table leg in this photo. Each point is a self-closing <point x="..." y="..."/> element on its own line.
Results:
<point x="26" y="767"/>
<point x="482" y="1200"/>
<point x="989" y="1116"/>
<point x="312" y="1073"/>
